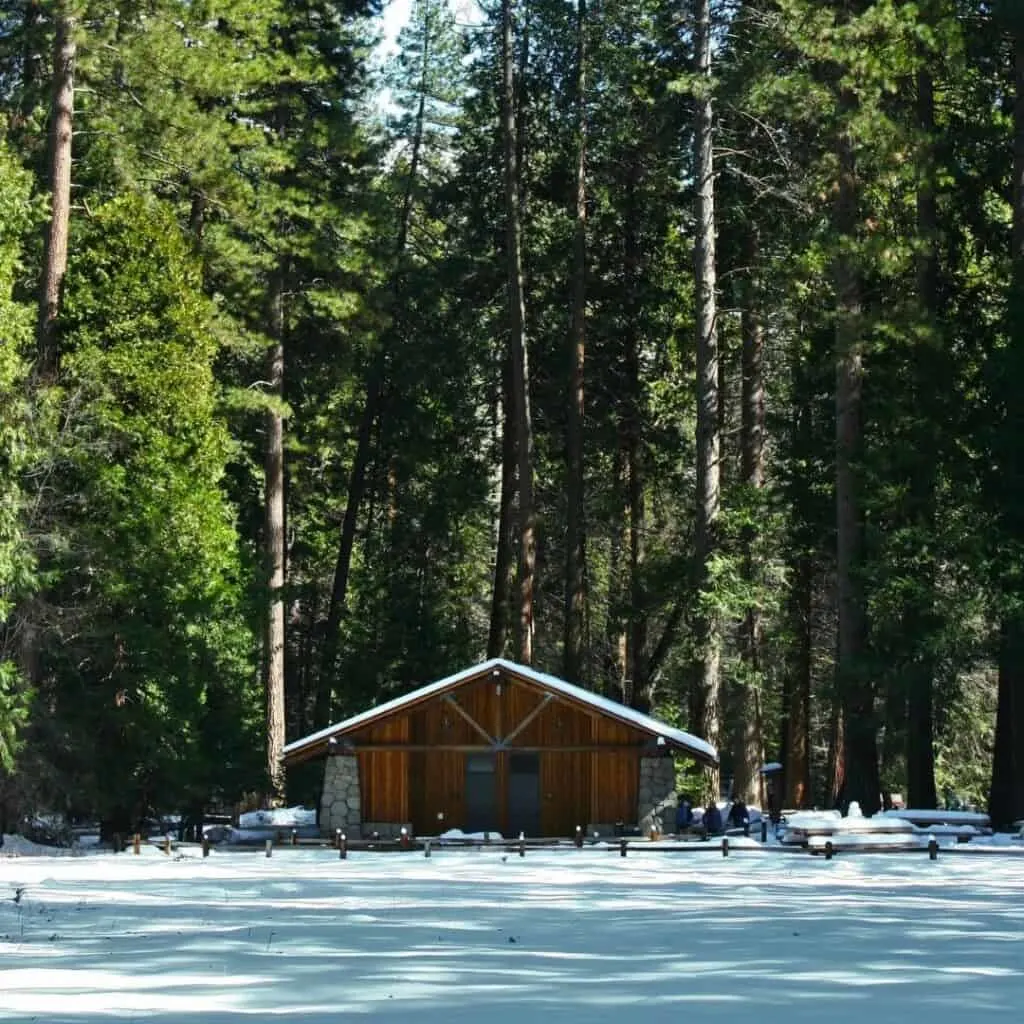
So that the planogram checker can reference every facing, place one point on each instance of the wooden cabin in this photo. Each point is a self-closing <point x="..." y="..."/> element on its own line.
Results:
<point x="498" y="747"/>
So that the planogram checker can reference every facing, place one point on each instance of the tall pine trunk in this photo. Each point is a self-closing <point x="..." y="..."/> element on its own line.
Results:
<point x="631" y="430"/>
<point x="920" y="746"/>
<point x="520" y="375"/>
<point x="274" y="540"/>
<point x="504" y="563"/>
<point x="56" y="258"/>
<point x="749" y="747"/>
<point x="861" y="780"/>
<point x="1006" y="797"/>
<point x="705" y="695"/>
<point x="575" y="541"/>
<point x="371" y="407"/>
<point x="797" y="694"/>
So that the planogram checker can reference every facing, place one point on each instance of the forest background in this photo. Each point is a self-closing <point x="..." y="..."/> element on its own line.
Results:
<point x="672" y="348"/>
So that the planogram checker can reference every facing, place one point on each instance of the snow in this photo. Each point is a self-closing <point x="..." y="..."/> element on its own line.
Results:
<point x="463" y="936"/>
<point x="279" y="817"/>
<point x="483" y="837"/>
<point x="939" y="817"/>
<point x="609" y="707"/>
<point x="19" y="846"/>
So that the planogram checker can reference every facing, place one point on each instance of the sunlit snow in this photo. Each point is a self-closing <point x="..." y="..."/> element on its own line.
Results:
<point x="484" y="935"/>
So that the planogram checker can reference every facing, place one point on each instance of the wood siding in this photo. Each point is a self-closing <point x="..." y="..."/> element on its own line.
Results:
<point x="425" y="785"/>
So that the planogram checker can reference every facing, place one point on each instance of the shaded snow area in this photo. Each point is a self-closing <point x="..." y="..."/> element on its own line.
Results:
<point x="475" y="936"/>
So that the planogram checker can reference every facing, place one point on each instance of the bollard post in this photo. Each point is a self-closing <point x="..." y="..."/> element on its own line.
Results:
<point x="206" y="847"/>
<point x="933" y="848"/>
<point x="337" y="838"/>
<point x="579" y="837"/>
<point x="764" y="831"/>
<point x="342" y="846"/>
<point x="426" y="848"/>
<point x="622" y="848"/>
<point x="828" y="849"/>
<point x="136" y="844"/>
<point x="725" y="846"/>
<point x="522" y="844"/>
<point x="295" y="837"/>
<point x="746" y="826"/>
<point x="269" y="847"/>
<point x="403" y="838"/>
<point x="167" y="846"/>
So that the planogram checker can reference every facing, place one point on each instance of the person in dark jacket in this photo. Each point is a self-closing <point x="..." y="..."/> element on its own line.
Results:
<point x="684" y="815"/>
<point x="738" y="813"/>
<point x="712" y="819"/>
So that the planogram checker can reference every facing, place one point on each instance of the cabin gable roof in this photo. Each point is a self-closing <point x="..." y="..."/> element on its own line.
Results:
<point x="317" y="744"/>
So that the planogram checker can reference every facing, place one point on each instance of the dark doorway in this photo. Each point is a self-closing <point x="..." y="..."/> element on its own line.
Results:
<point x="524" y="794"/>
<point x="481" y="793"/>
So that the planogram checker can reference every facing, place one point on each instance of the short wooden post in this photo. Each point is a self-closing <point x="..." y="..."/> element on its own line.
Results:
<point x="933" y="848"/>
<point x="579" y="837"/>
<point x="725" y="846"/>
<point x="167" y="845"/>
<point x="403" y="838"/>
<point x="136" y="844"/>
<point x="426" y="848"/>
<point x="206" y="847"/>
<point x="764" y="831"/>
<point x="269" y="847"/>
<point x="522" y="844"/>
<point x="342" y="846"/>
<point x="622" y="848"/>
<point x="828" y="849"/>
<point x="295" y="837"/>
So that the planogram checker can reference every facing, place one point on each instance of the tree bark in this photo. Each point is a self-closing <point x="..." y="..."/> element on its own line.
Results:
<point x="575" y="541"/>
<point x="617" y="645"/>
<point x="274" y="541"/>
<point x="504" y="567"/>
<point x="56" y="258"/>
<point x="920" y="624"/>
<point x="749" y="747"/>
<point x="636" y="667"/>
<point x="797" y="710"/>
<point x="371" y="406"/>
<point x="705" y="712"/>
<point x="1006" y="796"/>
<point x="518" y="351"/>
<point x="855" y="689"/>
<point x="347" y="539"/>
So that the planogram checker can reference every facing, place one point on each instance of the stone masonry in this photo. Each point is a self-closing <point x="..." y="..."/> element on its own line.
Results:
<point x="657" y="803"/>
<point x="340" y="802"/>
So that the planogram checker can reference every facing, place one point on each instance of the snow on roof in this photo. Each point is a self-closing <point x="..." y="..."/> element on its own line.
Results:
<point x="676" y="737"/>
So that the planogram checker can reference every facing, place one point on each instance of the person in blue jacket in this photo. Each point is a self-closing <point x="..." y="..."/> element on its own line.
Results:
<point x="684" y="814"/>
<point x="712" y="819"/>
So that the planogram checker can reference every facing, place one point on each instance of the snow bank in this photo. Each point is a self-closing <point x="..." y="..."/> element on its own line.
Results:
<point x="480" y="837"/>
<point x="279" y="817"/>
<point x="19" y="846"/>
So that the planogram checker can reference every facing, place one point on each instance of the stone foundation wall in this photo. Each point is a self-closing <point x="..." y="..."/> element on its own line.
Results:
<point x="656" y="807"/>
<point x="341" y="800"/>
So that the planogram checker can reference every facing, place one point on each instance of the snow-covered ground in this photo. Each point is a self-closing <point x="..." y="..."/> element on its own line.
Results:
<point x="487" y="936"/>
